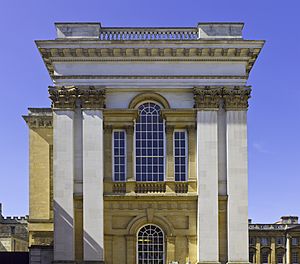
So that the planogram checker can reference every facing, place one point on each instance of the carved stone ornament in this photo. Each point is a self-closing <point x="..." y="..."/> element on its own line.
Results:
<point x="91" y="97"/>
<point x="38" y="121"/>
<point x="207" y="98"/>
<point x="63" y="97"/>
<point x="236" y="98"/>
<point x="233" y="97"/>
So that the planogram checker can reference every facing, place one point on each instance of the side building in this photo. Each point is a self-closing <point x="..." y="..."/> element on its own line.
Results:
<point x="275" y="243"/>
<point x="13" y="233"/>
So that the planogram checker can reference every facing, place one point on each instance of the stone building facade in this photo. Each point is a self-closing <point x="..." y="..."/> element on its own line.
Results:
<point x="275" y="243"/>
<point x="142" y="157"/>
<point x="13" y="233"/>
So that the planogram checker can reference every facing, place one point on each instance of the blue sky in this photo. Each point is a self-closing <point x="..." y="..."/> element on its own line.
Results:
<point x="274" y="115"/>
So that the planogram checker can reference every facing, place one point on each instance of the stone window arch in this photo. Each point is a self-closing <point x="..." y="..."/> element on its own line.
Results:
<point x="150" y="245"/>
<point x="149" y="143"/>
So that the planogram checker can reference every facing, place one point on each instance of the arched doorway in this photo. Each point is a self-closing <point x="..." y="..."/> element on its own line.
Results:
<point x="150" y="245"/>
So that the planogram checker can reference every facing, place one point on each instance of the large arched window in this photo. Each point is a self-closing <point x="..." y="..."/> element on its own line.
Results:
<point x="149" y="143"/>
<point x="150" y="245"/>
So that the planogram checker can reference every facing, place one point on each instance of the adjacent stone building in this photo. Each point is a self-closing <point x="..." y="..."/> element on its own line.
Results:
<point x="275" y="243"/>
<point x="142" y="157"/>
<point x="13" y="233"/>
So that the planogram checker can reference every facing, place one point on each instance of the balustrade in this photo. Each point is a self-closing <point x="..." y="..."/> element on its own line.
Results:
<point x="148" y="34"/>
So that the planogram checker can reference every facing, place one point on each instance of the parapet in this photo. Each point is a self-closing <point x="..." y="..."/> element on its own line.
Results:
<point x="212" y="30"/>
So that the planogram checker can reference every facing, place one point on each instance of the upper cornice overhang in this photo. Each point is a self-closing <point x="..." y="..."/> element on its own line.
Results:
<point x="75" y="50"/>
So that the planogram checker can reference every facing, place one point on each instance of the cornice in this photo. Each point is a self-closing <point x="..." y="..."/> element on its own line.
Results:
<point x="233" y="97"/>
<point x="66" y="97"/>
<point x="246" y="54"/>
<point x="39" y="121"/>
<point x="150" y="77"/>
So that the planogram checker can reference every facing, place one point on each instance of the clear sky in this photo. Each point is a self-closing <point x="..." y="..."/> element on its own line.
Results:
<point x="273" y="116"/>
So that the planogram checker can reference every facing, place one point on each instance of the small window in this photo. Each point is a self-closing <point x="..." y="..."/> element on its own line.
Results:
<point x="180" y="155"/>
<point x="13" y="230"/>
<point x="295" y="241"/>
<point x="251" y="256"/>
<point x="264" y="241"/>
<point x="119" y="155"/>
<point x="265" y="257"/>
<point x="280" y="241"/>
<point x="295" y="258"/>
<point x="280" y="258"/>
<point x="251" y="241"/>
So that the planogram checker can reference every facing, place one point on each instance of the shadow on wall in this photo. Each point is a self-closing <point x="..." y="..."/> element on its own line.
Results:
<point x="2" y="247"/>
<point x="14" y="257"/>
<point x="92" y="249"/>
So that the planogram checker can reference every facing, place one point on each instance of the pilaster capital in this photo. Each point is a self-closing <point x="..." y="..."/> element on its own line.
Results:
<point x="169" y="129"/>
<point x="63" y="97"/>
<point x="108" y="129"/>
<point x="207" y="97"/>
<point x="129" y="130"/>
<point x="91" y="97"/>
<point x="236" y="98"/>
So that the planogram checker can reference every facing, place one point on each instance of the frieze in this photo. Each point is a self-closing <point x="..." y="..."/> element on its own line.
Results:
<point x="39" y="121"/>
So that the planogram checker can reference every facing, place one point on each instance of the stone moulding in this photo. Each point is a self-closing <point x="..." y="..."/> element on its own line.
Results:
<point x="236" y="98"/>
<point x="247" y="54"/>
<point x="210" y="97"/>
<point x="39" y="121"/>
<point x="66" y="97"/>
<point x="92" y="98"/>
<point x="207" y="97"/>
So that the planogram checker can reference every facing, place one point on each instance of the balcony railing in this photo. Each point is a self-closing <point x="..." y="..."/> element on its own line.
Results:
<point x="139" y="188"/>
<point x="187" y="33"/>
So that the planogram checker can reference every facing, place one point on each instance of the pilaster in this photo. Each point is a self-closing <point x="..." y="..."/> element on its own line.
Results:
<point x="207" y="101"/>
<point x="63" y="104"/>
<point x="92" y="102"/>
<point x="236" y="103"/>
<point x="288" y="249"/>
<point x="170" y="157"/>
<point x="170" y="248"/>
<point x="130" y="152"/>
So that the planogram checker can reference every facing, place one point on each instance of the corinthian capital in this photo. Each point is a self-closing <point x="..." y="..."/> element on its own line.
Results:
<point x="63" y="96"/>
<point x="207" y="97"/>
<point x="91" y="97"/>
<point x="236" y="98"/>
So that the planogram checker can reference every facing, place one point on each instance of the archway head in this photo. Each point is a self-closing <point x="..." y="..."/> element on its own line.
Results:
<point x="146" y="97"/>
<point x="139" y="222"/>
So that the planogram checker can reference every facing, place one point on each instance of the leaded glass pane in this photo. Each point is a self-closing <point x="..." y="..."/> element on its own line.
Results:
<point x="149" y="142"/>
<point x="150" y="245"/>
<point x="180" y="155"/>
<point x="119" y="167"/>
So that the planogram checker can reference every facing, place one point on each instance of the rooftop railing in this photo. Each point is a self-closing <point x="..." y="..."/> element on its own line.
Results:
<point x="148" y="33"/>
<point x="201" y="31"/>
